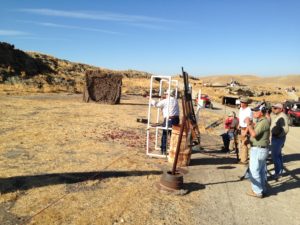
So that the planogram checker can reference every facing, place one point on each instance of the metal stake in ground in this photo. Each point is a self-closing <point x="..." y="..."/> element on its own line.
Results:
<point x="173" y="180"/>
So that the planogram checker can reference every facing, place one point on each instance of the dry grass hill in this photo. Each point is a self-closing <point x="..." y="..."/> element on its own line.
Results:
<point x="30" y="72"/>
<point x="35" y="72"/>
<point x="252" y="80"/>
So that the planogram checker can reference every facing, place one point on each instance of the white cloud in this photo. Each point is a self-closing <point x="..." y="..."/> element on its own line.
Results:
<point x="55" y="25"/>
<point x="12" y="33"/>
<point x="42" y="38"/>
<point x="105" y="16"/>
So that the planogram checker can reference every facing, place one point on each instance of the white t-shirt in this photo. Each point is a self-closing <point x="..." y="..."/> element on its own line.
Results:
<point x="163" y="104"/>
<point x="243" y="114"/>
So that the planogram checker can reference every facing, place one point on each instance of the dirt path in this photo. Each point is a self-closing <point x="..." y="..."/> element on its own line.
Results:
<point x="63" y="161"/>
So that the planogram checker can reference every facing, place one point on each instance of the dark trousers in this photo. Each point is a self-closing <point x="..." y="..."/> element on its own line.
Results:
<point x="277" y="144"/>
<point x="171" y="122"/>
<point x="226" y="139"/>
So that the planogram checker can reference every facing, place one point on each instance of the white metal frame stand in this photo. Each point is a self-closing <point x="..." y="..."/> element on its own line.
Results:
<point x="199" y="106"/>
<point x="171" y="84"/>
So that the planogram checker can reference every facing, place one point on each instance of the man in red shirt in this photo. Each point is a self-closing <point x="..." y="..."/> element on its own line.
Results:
<point x="231" y="125"/>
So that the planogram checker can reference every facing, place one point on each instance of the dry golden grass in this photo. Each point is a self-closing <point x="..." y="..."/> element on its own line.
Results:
<point x="69" y="162"/>
<point x="85" y="161"/>
<point x="251" y="80"/>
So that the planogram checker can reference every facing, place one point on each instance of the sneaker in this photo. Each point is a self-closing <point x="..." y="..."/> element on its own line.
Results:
<point x="253" y="194"/>
<point x="282" y="171"/>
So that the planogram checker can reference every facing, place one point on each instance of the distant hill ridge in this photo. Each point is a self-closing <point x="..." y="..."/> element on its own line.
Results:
<point x="252" y="80"/>
<point x="47" y="73"/>
<point x="36" y="69"/>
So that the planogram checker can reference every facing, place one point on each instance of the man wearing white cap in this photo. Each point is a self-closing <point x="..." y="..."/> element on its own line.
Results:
<point x="279" y="129"/>
<point x="170" y="108"/>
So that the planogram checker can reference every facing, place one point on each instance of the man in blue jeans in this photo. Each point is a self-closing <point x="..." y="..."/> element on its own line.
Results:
<point x="279" y="130"/>
<point x="170" y="106"/>
<point x="259" y="140"/>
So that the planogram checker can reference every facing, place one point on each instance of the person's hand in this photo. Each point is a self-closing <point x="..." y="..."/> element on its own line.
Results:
<point x="153" y="102"/>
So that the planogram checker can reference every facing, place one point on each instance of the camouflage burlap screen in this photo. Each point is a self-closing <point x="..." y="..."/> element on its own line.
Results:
<point x="102" y="87"/>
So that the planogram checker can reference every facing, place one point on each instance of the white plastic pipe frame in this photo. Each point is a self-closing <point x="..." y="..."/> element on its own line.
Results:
<point x="170" y="83"/>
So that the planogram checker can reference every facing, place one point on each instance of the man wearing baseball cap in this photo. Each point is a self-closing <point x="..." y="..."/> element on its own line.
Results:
<point x="231" y="125"/>
<point x="259" y="140"/>
<point x="244" y="113"/>
<point x="279" y="130"/>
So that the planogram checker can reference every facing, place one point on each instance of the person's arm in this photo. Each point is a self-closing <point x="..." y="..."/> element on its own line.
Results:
<point x="160" y="104"/>
<point x="250" y="114"/>
<point x="153" y="103"/>
<point x="286" y="124"/>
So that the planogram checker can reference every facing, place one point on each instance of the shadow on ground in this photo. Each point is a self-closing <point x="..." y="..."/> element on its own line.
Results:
<point x="191" y="187"/>
<point x="12" y="184"/>
<point x="129" y="103"/>
<point x="212" y="161"/>
<point x="288" y="181"/>
<point x="217" y="108"/>
<point x="291" y="157"/>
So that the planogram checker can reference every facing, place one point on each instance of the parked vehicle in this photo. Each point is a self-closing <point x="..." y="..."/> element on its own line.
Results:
<point x="292" y="109"/>
<point x="205" y="101"/>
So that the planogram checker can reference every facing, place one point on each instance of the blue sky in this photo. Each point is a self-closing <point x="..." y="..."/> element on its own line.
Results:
<point x="206" y="37"/>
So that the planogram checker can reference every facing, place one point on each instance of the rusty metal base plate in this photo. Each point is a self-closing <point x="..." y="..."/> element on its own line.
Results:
<point x="165" y="190"/>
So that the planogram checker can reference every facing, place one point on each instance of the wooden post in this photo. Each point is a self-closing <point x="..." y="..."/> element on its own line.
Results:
<point x="178" y="144"/>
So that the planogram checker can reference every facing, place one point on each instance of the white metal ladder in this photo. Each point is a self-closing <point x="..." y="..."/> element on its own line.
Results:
<point x="172" y="84"/>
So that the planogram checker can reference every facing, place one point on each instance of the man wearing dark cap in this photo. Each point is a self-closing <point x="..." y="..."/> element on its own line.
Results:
<point x="259" y="140"/>
<point x="244" y="113"/>
<point x="279" y="130"/>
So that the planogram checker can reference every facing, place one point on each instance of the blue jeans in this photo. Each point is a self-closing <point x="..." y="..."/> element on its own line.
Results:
<point x="276" y="148"/>
<point x="171" y="122"/>
<point x="257" y="169"/>
<point x="226" y="139"/>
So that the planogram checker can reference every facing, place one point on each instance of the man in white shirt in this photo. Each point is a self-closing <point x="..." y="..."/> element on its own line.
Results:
<point x="244" y="113"/>
<point x="170" y="106"/>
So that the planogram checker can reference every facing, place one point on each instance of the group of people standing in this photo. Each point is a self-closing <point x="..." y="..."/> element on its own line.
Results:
<point x="258" y="128"/>
<point x="263" y="131"/>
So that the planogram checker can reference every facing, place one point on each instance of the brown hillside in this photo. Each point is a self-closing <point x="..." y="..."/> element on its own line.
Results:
<point x="251" y="80"/>
<point x="35" y="72"/>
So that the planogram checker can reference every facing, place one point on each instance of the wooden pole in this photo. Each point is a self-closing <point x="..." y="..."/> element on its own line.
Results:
<point x="178" y="144"/>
